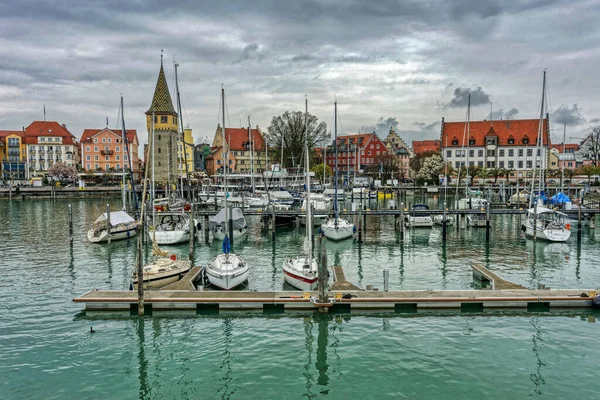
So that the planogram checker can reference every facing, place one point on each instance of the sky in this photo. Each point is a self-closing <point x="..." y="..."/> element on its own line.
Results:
<point x="401" y="64"/>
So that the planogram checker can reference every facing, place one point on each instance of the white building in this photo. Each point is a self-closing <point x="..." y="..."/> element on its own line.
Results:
<point x="49" y="142"/>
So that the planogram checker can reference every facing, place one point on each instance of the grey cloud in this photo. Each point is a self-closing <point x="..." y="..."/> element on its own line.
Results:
<point x="595" y="120"/>
<point x="382" y="127"/>
<point x="500" y="114"/>
<point x="568" y="115"/>
<point x="460" y="97"/>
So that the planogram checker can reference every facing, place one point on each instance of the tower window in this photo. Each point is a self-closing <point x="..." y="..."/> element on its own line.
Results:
<point x="175" y="120"/>
<point x="159" y="150"/>
<point x="158" y="137"/>
<point x="163" y="119"/>
<point x="155" y="119"/>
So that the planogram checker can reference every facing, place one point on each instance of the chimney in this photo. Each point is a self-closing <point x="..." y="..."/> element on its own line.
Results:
<point x="64" y="126"/>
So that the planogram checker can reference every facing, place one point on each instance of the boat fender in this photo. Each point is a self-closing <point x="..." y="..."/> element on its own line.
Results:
<point x="354" y="229"/>
<point x="199" y="226"/>
<point x="173" y="257"/>
<point x="596" y="303"/>
<point x="568" y="226"/>
<point x="523" y="228"/>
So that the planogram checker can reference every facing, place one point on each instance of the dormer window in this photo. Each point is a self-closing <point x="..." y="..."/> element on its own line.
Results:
<point x="511" y="140"/>
<point x="471" y="141"/>
<point x="525" y="140"/>
<point x="455" y="141"/>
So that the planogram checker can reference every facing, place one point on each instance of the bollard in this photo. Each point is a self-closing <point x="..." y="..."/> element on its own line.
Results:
<point x="108" y="222"/>
<point x="402" y="220"/>
<point x="386" y="280"/>
<point x="192" y="234"/>
<point x="70" y="224"/>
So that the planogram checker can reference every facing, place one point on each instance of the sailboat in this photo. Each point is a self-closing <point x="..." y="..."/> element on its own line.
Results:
<point x="163" y="270"/>
<point x="337" y="228"/>
<point x="446" y="219"/>
<point x="122" y="225"/>
<point x="227" y="270"/>
<point x="542" y="222"/>
<point x="302" y="271"/>
<point x="170" y="221"/>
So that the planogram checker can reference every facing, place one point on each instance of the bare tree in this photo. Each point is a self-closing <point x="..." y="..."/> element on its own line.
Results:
<point x="591" y="144"/>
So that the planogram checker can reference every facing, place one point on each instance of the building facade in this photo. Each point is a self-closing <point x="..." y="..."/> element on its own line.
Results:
<point x="567" y="155"/>
<point x="356" y="152"/>
<point x="162" y="125"/>
<point x="13" y="155"/>
<point x="496" y="144"/>
<point x="201" y="152"/>
<point x="398" y="147"/>
<point x="246" y="146"/>
<point x="188" y="156"/>
<point x="424" y="146"/>
<point x="102" y="150"/>
<point x="49" y="142"/>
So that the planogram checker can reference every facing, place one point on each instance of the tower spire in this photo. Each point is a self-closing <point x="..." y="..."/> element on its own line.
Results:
<point x="161" y="102"/>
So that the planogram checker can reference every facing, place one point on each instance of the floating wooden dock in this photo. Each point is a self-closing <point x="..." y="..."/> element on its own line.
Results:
<point x="483" y="274"/>
<point x="339" y="280"/>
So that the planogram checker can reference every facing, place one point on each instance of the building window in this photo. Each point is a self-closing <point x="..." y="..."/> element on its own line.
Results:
<point x="117" y="149"/>
<point x="97" y="166"/>
<point x="455" y="142"/>
<point x="88" y="166"/>
<point x="520" y="152"/>
<point x="372" y="146"/>
<point x="106" y="158"/>
<point x="491" y="153"/>
<point x="471" y="142"/>
<point x="125" y="157"/>
<point x="159" y="150"/>
<point x="88" y="158"/>
<point x="118" y="158"/>
<point x="457" y="153"/>
<point x="480" y="163"/>
<point x="448" y="153"/>
<point x="95" y="140"/>
<point x="538" y="152"/>
<point x="163" y="119"/>
<point x="106" y="167"/>
<point x="96" y="158"/>
<point x="158" y="137"/>
<point x="520" y="164"/>
<point x="529" y="152"/>
<point x="511" y="164"/>
<point x="457" y="164"/>
<point x="501" y="152"/>
<point x="511" y="140"/>
<point x="529" y="164"/>
<point x="96" y="149"/>
<point x="471" y="153"/>
<point x="501" y="164"/>
<point x="479" y="153"/>
<point x="155" y="119"/>
<point x="511" y="153"/>
<point x="525" y="140"/>
<point x="118" y="166"/>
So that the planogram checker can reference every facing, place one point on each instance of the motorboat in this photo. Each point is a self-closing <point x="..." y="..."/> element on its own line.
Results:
<point x="281" y="197"/>
<point x="549" y="224"/>
<point x="417" y="217"/>
<point x="320" y="204"/>
<point x="439" y="220"/>
<point x="122" y="226"/>
<point x="218" y="224"/>
<point x="472" y="203"/>
<point x="170" y="228"/>
<point x="162" y="272"/>
<point x="227" y="271"/>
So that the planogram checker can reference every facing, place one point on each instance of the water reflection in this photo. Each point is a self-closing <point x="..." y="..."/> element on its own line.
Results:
<point x="227" y="329"/>
<point x="360" y="266"/>
<point x="308" y="345"/>
<point x="322" y="340"/>
<point x="444" y="262"/>
<point x="144" y="391"/>
<point x="537" y="378"/>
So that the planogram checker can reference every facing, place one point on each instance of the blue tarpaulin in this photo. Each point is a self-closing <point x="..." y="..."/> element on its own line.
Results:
<point x="226" y="245"/>
<point x="560" y="198"/>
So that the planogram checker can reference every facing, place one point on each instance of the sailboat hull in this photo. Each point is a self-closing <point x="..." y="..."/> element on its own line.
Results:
<point x="551" y="235"/>
<point x="227" y="271"/>
<point x="219" y="234"/>
<point x="318" y="220"/>
<point x="300" y="282"/>
<point x="343" y="230"/>
<point x="170" y="237"/>
<point x="115" y="234"/>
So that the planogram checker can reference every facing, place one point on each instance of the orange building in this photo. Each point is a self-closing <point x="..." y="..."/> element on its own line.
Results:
<point x="215" y="162"/>
<point x="102" y="150"/>
<point x="423" y="146"/>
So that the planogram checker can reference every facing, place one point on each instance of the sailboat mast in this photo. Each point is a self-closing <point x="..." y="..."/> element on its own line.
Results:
<point x="225" y="157"/>
<point x="539" y="139"/>
<point x="250" y="136"/>
<point x="123" y="196"/>
<point x="468" y="140"/>
<point x="540" y="142"/>
<point x="153" y="182"/>
<point x="335" y="196"/>
<point x="306" y="164"/>
<point x="180" y="134"/>
<point x="562" y="168"/>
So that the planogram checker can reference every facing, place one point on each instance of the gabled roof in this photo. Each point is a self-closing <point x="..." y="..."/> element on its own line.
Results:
<point x="568" y="146"/>
<point x="161" y="102"/>
<point x="4" y="134"/>
<point x="362" y="139"/>
<point x="238" y="138"/>
<point x="517" y="129"/>
<point x="48" y="128"/>
<point x="88" y="134"/>
<point x="421" y="146"/>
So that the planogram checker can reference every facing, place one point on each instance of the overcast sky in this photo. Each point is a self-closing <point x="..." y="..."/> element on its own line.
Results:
<point x="401" y="63"/>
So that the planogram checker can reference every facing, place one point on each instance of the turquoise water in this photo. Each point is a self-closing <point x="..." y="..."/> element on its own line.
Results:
<point x="47" y="351"/>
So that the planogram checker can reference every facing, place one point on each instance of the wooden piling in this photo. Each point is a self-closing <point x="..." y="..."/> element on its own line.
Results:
<point x="140" y="273"/>
<point x="487" y="223"/>
<point x="108" y="221"/>
<point x="402" y="220"/>
<point x="579" y="220"/>
<point x="192" y="235"/>
<point x="70" y="224"/>
<point x="322" y="280"/>
<point x="273" y="224"/>
<point x="206" y="230"/>
<point x="534" y="220"/>
<point x="444" y="224"/>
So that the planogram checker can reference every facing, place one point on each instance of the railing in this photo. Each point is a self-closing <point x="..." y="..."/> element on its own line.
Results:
<point x="106" y="152"/>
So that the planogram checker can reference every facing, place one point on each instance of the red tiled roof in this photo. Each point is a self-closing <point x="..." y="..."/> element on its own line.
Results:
<point x="48" y="128"/>
<point x="238" y="137"/>
<point x="422" y="146"/>
<point x="4" y="134"/>
<point x="518" y="129"/>
<point x="366" y="138"/>
<point x="88" y="134"/>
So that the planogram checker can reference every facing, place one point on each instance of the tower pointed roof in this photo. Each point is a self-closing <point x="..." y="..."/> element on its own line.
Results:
<point x="161" y="102"/>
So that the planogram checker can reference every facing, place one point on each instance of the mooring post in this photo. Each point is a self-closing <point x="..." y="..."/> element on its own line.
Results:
<point x="273" y="224"/>
<point x="458" y="220"/>
<point x="70" y="224"/>
<point x="402" y="220"/>
<point x="140" y="274"/>
<point x="534" y="220"/>
<point x="365" y="223"/>
<point x="444" y="224"/>
<point x="396" y="218"/>
<point x="206" y="228"/>
<point x="192" y="234"/>
<point x="579" y="220"/>
<point x="487" y="223"/>
<point x="108" y="222"/>
<point x="230" y="226"/>
<point x="592" y="222"/>
<point x="386" y="280"/>
<point x="322" y="281"/>
<point x="360" y="220"/>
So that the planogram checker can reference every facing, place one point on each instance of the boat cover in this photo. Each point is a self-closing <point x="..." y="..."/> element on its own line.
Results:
<point x="559" y="198"/>
<point x="237" y="216"/>
<point x="116" y="218"/>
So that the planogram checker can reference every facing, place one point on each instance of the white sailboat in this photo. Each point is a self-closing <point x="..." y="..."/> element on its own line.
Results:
<point x="163" y="270"/>
<point x="319" y="203"/>
<point x="540" y="221"/>
<point x="227" y="270"/>
<point x="302" y="271"/>
<point x="337" y="228"/>
<point x="122" y="225"/>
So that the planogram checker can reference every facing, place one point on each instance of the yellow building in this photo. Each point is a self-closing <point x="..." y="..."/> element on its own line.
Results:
<point x="188" y="157"/>
<point x="13" y="155"/>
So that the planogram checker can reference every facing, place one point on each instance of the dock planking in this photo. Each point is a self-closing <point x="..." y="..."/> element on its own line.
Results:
<point x="482" y="273"/>
<point x="340" y="282"/>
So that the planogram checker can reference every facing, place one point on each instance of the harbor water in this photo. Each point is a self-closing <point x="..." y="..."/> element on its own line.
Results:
<point x="47" y="350"/>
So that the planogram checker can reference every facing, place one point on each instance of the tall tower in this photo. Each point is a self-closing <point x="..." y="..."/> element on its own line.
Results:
<point x="165" y="132"/>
